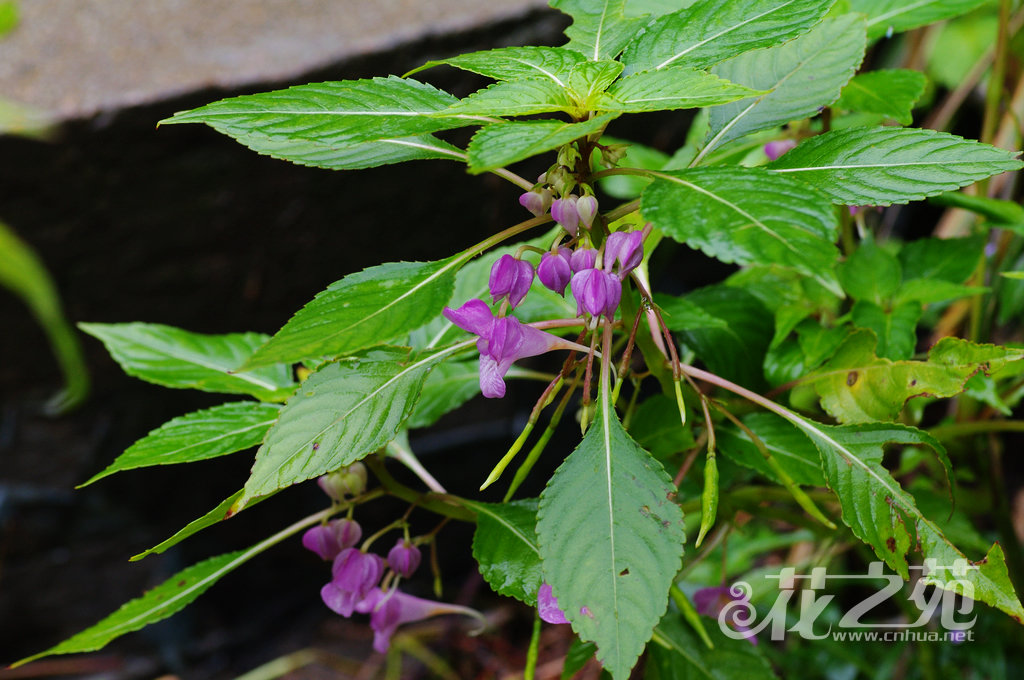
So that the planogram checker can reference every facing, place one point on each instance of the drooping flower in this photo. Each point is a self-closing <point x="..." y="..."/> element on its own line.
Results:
<point x="328" y="540"/>
<point x="583" y="258"/>
<point x="625" y="248"/>
<point x="510" y="277"/>
<point x="711" y="602"/>
<point x="404" y="558"/>
<point x="537" y="201"/>
<point x="503" y="341"/>
<point x="346" y="481"/>
<point x="355" y="574"/>
<point x="586" y="208"/>
<point x="776" y="148"/>
<point x="597" y="292"/>
<point x="554" y="270"/>
<point x="547" y="606"/>
<point x="563" y="211"/>
<point x="389" y="610"/>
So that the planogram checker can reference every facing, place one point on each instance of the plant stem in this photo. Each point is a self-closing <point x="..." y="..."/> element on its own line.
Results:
<point x="530" y="672"/>
<point x="446" y="505"/>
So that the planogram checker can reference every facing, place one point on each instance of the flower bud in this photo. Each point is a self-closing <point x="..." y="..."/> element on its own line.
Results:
<point x="554" y="270"/>
<point x="613" y="153"/>
<point x="346" y="481"/>
<point x="328" y="540"/>
<point x="626" y="248"/>
<point x="597" y="292"/>
<point x="778" y="147"/>
<point x="404" y="558"/>
<point x="511" y="277"/>
<point x="583" y="258"/>
<point x="563" y="211"/>
<point x="586" y="207"/>
<point x="537" y="202"/>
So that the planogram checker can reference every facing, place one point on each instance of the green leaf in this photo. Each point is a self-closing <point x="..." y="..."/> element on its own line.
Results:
<point x="790" y="448"/>
<point x="1000" y="211"/>
<point x="802" y="75"/>
<point x="881" y="166"/>
<point x="945" y="259"/>
<point x="856" y="386"/>
<point x="870" y="273"/>
<point x="177" y="358"/>
<point x="577" y="657"/>
<point x="656" y="427"/>
<point x="498" y="145"/>
<point x="610" y="540"/>
<point x="895" y="326"/>
<point x="516" y="98"/>
<point x="201" y="435"/>
<point x="927" y="291"/>
<point x="333" y="113"/>
<point x="671" y="88"/>
<point x="891" y="93"/>
<point x="886" y="17"/>
<point x="362" y="310"/>
<point x="157" y="604"/>
<point x="22" y="272"/>
<point x="734" y="346"/>
<point x="343" y="412"/>
<point x="589" y="79"/>
<point x="600" y="28"/>
<point x="746" y="216"/>
<point x="714" y="30"/>
<point x="505" y="547"/>
<point x="334" y="156"/>
<point x="884" y="516"/>
<point x="678" y="654"/>
<point x="447" y="387"/>
<point x="516" y="63"/>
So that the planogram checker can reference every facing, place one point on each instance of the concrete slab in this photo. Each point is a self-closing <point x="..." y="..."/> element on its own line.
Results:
<point x="75" y="58"/>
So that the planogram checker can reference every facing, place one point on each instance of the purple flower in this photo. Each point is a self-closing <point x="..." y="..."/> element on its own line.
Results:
<point x="511" y="277"/>
<point x="355" y="574"/>
<point x="626" y="248"/>
<point x="554" y="270"/>
<point x="547" y="606"/>
<point x="537" y="202"/>
<point x="503" y="341"/>
<point x="348" y="481"/>
<point x="581" y="259"/>
<point x="327" y="540"/>
<point x="711" y="602"/>
<point x="778" y="147"/>
<point x="404" y="558"/>
<point x="563" y="211"/>
<point x="597" y="292"/>
<point x="586" y="208"/>
<point x="391" y="609"/>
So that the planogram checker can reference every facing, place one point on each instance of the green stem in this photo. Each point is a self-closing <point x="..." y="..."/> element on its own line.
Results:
<point x="445" y="505"/>
<point x="530" y="672"/>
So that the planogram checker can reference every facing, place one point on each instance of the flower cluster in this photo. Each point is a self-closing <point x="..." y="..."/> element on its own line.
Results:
<point x="365" y="583"/>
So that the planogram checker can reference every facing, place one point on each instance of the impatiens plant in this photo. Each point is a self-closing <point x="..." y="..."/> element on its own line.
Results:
<point x="800" y="396"/>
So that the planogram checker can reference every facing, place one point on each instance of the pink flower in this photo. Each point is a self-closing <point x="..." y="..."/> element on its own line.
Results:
<point x="404" y="558"/>
<point x="537" y="202"/>
<point x="586" y="208"/>
<point x="778" y="147"/>
<point x="328" y="540"/>
<point x="391" y="609"/>
<point x="355" y="574"/>
<point x="547" y="606"/>
<point x="510" y="277"/>
<point x="563" y="211"/>
<point x="597" y="292"/>
<point x="554" y="270"/>
<point x="625" y="248"/>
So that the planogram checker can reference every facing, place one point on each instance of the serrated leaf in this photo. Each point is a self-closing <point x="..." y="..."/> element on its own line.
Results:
<point x="610" y="540"/>
<point x="714" y="30"/>
<point x="343" y="412"/>
<point x="498" y="145"/>
<point x="856" y="386"/>
<point x="671" y="88"/>
<point x="886" y="17"/>
<point x="891" y="93"/>
<point x="870" y="273"/>
<point x="332" y="113"/>
<point x="515" y="98"/>
<point x="884" y="516"/>
<point x="678" y="654"/>
<point x="157" y="604"/>
<point x="314" y="153"/>
<point x="949" y="259"/>
<point x="201" y="435"/>
<point x="600" y="28"/>
<point x="895" y="326"/>
<point x="515" y="63"/>
<point x="881" y="166"/>
<point x="735" y="346"/>
<point x="362" y="310"/>
<point x="927" y="291"/>
<point x="802" y="75"/>
<point x="447" y="387"/>
<point x="590" y="78"/>
<point x="744" y="215"/>
<point x="790" y="448"/>
<point x="173" y="357"/>
<point x="505" y="547"/>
